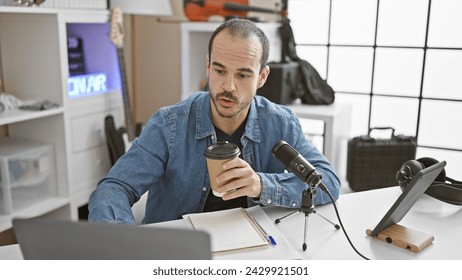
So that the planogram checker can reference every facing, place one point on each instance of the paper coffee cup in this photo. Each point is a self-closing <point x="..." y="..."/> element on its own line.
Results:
<point x="216" y="155"/>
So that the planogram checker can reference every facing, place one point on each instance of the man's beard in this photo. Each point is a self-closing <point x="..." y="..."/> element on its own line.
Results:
<point x="240" y="106"/>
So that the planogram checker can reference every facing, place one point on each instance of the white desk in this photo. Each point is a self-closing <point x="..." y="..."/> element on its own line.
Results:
<point x="363" y="210"/>
<point x="358" y="212"/>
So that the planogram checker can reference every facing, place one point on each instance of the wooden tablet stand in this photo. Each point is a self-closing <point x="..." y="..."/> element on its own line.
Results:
<point x="404" y="237"/>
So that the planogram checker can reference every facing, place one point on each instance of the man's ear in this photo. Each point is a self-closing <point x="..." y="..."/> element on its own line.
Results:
<point x="263" y="76"/>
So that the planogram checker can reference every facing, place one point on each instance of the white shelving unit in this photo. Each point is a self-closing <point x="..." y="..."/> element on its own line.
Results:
<point x="34" y="65"/>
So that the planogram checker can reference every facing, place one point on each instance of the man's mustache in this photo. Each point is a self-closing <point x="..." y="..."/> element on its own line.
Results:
<point x="228" y="95"/>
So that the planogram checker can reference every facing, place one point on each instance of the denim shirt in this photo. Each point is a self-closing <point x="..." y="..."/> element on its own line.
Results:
<point x="167" y="160"/>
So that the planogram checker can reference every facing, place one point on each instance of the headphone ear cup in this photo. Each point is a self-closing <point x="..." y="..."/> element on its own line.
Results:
<point x="428" y="161"/>
<point x="408" y="171"/>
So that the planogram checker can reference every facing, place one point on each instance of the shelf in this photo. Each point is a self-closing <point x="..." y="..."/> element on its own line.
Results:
<point x="16" y="115"/>
<point x="34" y="210"/>
<point x="35" y="66"/>
<point x="41" y="10"/>
<point x="42" y="207"/>
<point x="26" y="10"/>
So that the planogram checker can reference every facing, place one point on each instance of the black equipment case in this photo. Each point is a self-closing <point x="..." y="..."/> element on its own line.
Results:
<point x="281" y="85"/>
<point x="373" y="163"/>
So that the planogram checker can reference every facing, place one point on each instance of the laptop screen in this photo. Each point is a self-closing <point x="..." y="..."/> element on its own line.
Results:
<point x="50" y="239"/>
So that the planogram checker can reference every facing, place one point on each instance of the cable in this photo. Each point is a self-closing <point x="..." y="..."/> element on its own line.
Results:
<point x="340" y="221"/>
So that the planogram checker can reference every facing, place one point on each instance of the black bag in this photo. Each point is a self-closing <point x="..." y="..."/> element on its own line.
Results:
<point x="373" y="163"/>
<point x="312" y="89"/>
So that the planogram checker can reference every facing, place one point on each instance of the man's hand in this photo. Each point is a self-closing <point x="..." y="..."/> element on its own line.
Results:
<point x="239" y="179"/>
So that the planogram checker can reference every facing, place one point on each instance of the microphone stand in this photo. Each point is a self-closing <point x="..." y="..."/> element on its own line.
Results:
<point x="307" y="207"/>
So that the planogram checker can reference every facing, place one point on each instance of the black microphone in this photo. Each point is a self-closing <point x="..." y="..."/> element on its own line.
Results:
<point x="296" y="163"/>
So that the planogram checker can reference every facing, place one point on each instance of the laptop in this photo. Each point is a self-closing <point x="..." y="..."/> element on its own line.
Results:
<point x="51" y="239"/>
<point x="418" y="185"/>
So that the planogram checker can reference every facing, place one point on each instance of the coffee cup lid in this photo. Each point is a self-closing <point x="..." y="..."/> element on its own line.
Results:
<point x="222" y="150"/>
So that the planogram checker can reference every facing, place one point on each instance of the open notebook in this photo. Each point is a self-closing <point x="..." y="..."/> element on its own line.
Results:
<point x="238" y="229"/>
<point x="230" y="229"/>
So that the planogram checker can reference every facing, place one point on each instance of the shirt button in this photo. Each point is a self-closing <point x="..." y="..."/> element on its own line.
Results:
<point x="269" y="201"/>
<point x="294" y="204"/>
<point x="204" y="189"/>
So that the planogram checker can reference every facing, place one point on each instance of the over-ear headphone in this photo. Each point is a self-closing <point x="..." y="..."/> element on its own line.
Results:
<point x="443" y="188"/>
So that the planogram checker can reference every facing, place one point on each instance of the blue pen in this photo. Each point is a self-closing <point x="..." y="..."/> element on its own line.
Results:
<point x="270" y="239"/>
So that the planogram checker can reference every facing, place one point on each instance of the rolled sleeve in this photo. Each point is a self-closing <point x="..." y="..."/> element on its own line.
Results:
<point x="109" y="204"/>
<point x="273" y="192"/>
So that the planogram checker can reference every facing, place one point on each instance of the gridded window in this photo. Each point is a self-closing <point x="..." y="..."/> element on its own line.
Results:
<point x="395" y="112"/>
<point x="398" y="62"/>
<point x="445" y="24"/>
<point x="402" y="23"/>
<point x="443" y="74"/>
<point x="350" y="69"/>
<point x="398" y="71"/>
<point x="440" y="124"/>
<point x="310" y="21"/>
<point x="353" y="22"/>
